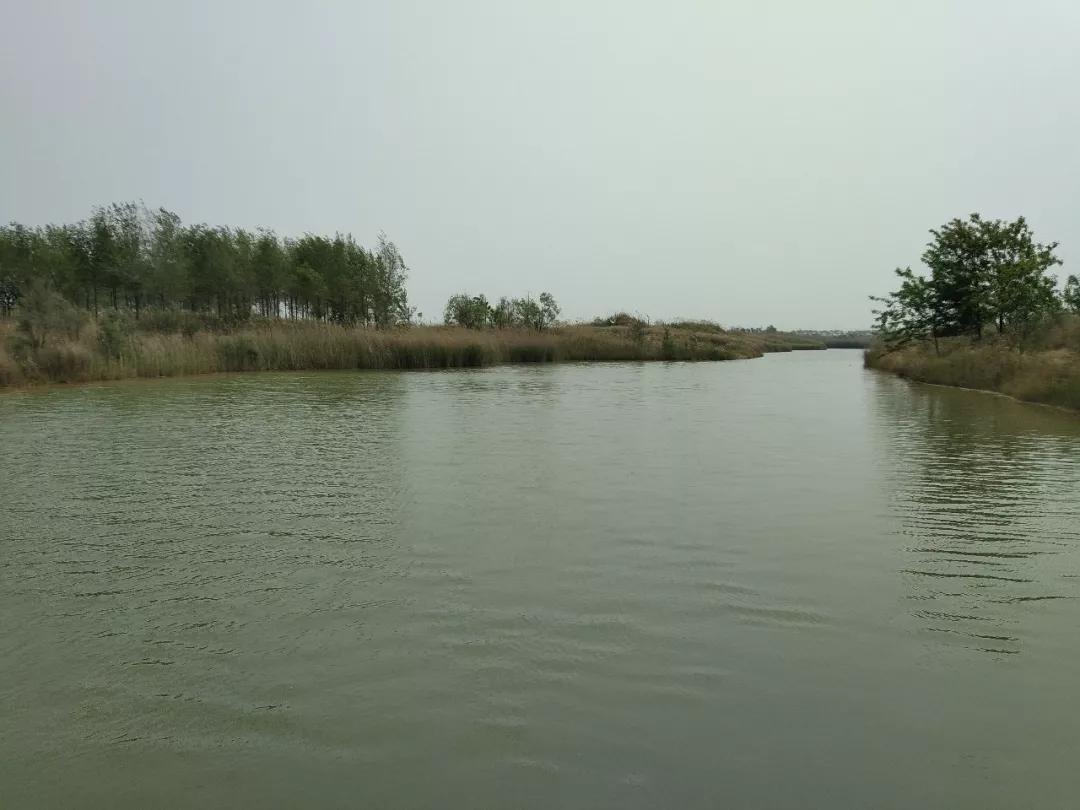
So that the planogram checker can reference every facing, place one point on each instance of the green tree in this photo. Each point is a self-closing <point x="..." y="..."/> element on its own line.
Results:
<point x="470" y="311"/>
<point x="502" y="314"/>
<point x="1071" y="296"/>
<point x="527" y="313"/>
<point x="1021" y="290"/>
<point x="911" y="313"/>
<point x="982" y="272"/>
<point x="549" y="311"/>
<point x="390" y="304"/>
<point x="270" y="272"/>
<point x="167" y="276"/>
<point x="129" y="257"/>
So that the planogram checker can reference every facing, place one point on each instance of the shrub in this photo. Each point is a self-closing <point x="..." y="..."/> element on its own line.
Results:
<point x="64" y="362"/>
<point x="45" y="315"/>
<point x="114" y="335"/>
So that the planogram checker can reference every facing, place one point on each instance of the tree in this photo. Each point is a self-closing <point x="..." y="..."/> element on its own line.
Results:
<point x="549" y="310"/>
<point x="527" y="313"/>
<point x="502" y="314"/>
<point x="471" y="312"/>
<point x="989" y="272"/>
<point x="390" y="301"/>
<point x="1071" y="296"/>
<point x="982" y="272"/>
<point x="167" y="278"/>
<point x="910" y="313"/>
<point x="129" y="257"/>
<point x="1021" y="291"/>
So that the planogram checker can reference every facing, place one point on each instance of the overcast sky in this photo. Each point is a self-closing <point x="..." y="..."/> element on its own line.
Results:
<point x="753" y="162"/>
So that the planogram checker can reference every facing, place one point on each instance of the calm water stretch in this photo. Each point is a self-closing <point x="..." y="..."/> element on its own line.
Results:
<point x="785" y="582"/>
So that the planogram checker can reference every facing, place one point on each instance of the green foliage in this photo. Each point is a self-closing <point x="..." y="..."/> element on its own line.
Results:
<point x="502" y="314"/>
<point x="910" y="313"/>
<point x="549" y="311"/>
<point x="126" y="257"/>
<point x="472" y="312"/>
<point x="536" y="314"/>
<point x="618" y="319"/>
<point x="1071" y="296"/>
<point x="114" y="335"/>
<point x="527" y="313"/>
<point x="982" y="273"/>
<point x="9" y="293"/>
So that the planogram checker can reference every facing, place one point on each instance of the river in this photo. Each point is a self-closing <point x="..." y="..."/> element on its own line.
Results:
<point x="785" y="582"/>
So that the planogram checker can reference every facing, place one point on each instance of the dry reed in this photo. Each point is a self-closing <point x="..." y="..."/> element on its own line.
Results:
<point x="291" y="346"/>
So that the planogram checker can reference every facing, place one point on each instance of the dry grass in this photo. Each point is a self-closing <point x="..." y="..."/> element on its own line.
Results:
<point x="1047" y="372"/>
<point x="10" y="371"/>
<point x="287" y="346"/>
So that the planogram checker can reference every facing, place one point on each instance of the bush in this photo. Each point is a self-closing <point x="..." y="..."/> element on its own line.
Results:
<point x="618" y="319"/>
<point x="64" y="362"/>
<point x="114" y="335"/>
<point x="45" y="315"/>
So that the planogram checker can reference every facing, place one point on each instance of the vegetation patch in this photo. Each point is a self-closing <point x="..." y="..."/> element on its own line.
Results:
<point x="989" y="316"/>
<point x="133" y="292"/>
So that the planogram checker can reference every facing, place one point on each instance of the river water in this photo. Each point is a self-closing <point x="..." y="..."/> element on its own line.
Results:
<point x="785" y="582"/>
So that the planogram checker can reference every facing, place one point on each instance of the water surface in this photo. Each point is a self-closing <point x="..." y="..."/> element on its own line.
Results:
<point x="785" y="582"/>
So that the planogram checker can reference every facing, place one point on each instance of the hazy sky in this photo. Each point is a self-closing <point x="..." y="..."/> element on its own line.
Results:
<point x="753" y="162"/>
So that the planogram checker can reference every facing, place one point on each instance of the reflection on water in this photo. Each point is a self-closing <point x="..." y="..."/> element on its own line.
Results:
<point x="986" y="494"/>
<point x="786" y="582"/>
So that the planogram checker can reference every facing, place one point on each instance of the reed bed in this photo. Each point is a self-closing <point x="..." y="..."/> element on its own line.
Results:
<point x="97" y="353"/>
<point x="1046" y="369"/>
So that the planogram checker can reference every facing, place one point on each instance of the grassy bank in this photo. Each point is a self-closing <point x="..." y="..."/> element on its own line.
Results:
<point x="767" y="340"/>
<point x="1047" y="370"/>
<point x="102" y="351"/>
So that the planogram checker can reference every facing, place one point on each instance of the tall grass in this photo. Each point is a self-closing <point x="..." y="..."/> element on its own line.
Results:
<point x="1047" y="370"/>
<point x="10" y="371"/>
<point x="104" y="351"/>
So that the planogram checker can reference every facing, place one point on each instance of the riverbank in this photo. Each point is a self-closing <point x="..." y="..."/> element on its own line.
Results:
<point x="1047" y="373"/>
<point x="98" y="353"/>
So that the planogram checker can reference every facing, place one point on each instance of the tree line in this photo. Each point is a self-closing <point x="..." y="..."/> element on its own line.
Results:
<point x="476" y="312"/>
<point x="985" y="275"/>
<point x="126" y="256"/>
